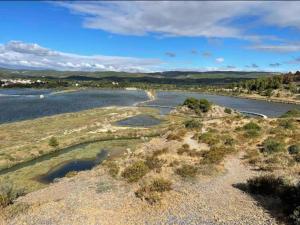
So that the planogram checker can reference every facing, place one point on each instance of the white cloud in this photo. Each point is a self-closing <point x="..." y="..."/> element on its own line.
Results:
<point x="17" y="54"/>
<point x="188" y="18"/>
<point x="277" y="48"/>
<point x="219" y="60"/>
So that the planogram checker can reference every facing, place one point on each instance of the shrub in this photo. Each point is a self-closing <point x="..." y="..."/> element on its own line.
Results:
<point x="295" y="216"/>
<point x="227" y="110"/>
<point x="8" y="194"/>
<point x="202" y="105"/>
<point x="192" y="124"/>
<point x="209" y="138"/>
<point x="289" y="194"/>
<point x="113" y="168"/>
<point x="294" y="149"/>
<point x="228" y="140"/>
<point x="215" y="155"/>
<point x="271" y="145"/>
<point x="266" y="185"/>
<point x="186" y="149"/>
<point x="252" y="134"/>
<point x="187" y="171"/>
<point x="286" y="124"/>
<point x="153" y="162"/>
<point x="160" y="152"/>
<point x="179" y="135"/>
<point x="135" y="171"/>
<point x="53" y="142"/>
<point x="152" y="192"/>
<point x="291" y="113"/>
<point x="191" y="103"/>
<point x="161" y="185"/>
<point x="252" y="126"/>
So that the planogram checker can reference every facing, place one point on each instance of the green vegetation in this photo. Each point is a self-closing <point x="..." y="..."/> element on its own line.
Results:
<point x="199" y="106"/>
<point x="291" y="113"/>
<point x="252" y="126"/>
<point x="276" y="187"/>
<point x="187" y="171"/>
<point x="135" y="171"/>
<point x="286" y="124"/>
<point x="265" y="85"/>
<point x="113" y="168"/>
<point x="216" y="155"/>
<point x="228" y="110"/>
<point x="192" y="124"/>
<point x="154" y="163"/>
<point x="252" y="130"/>
<point x="53" y="142"/>
<point x="210" y="138"/>
<point x="294" y="149"/>
<point x="271" y="145"/>
<point x="8" y="193"/>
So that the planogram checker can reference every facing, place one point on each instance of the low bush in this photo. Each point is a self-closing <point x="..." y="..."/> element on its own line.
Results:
<point x="152" y="192"/>
<point x="113" y="168"/>
<point x="228" y="140"/>
<point x="213" y="156"/>
<point x="228" y="110"/>
<point x="161" y="185"/>
<point x="8" y="194"/>
<point x="276" y="187"/>
<point x="190" y="152"/>
<point x="286" y="124"/>
<point x="53" y="142"/>
<point x="179" y="135"/>
<point x="209" y="138"/>
<point x="135" y="171"/>
<point x="266" y="185"/>
<point x="251" y="134"/>
<point x="294" y="149"/>
<point x="252" y="126"/>
<point x="187" y="171"/>
<point x="153" y="162"/>
<point x="271" y="145"/>
<point x="192" y="124"/>
<point x="160" y="152"/>
<point x="291" y="113"/>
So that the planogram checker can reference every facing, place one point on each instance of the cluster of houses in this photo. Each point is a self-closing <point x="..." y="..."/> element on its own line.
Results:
<point x="14" y="82"/>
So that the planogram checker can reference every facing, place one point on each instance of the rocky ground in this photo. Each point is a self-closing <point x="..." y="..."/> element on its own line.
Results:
<point x="93" y="197"/>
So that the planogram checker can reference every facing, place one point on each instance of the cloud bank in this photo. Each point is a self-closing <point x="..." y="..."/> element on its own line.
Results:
<point x="17" y="54"/>
<point x="189" y="18"/>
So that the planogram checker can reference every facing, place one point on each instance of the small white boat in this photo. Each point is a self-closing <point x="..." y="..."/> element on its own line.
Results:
<point x="42" y="96"/>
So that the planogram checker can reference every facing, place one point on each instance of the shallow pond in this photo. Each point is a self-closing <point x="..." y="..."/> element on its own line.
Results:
<point x="72" y="166"/>
<point x="139" y="121"/>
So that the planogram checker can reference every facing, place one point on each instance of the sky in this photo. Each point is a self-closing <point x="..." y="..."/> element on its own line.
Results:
<point x="144" y="36"/>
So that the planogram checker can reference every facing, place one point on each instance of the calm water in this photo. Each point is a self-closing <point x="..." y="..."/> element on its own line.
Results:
<point x="139" y="121"/>
<point x="74" y="165"/>
<point x="270" y="109"/>
<point x="23" y="104"/>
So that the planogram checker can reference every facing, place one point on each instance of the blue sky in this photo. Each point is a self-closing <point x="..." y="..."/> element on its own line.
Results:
<point x="147" y="36"/>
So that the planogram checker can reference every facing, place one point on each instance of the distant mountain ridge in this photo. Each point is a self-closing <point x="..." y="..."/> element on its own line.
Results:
<point x="13" y="73"/>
